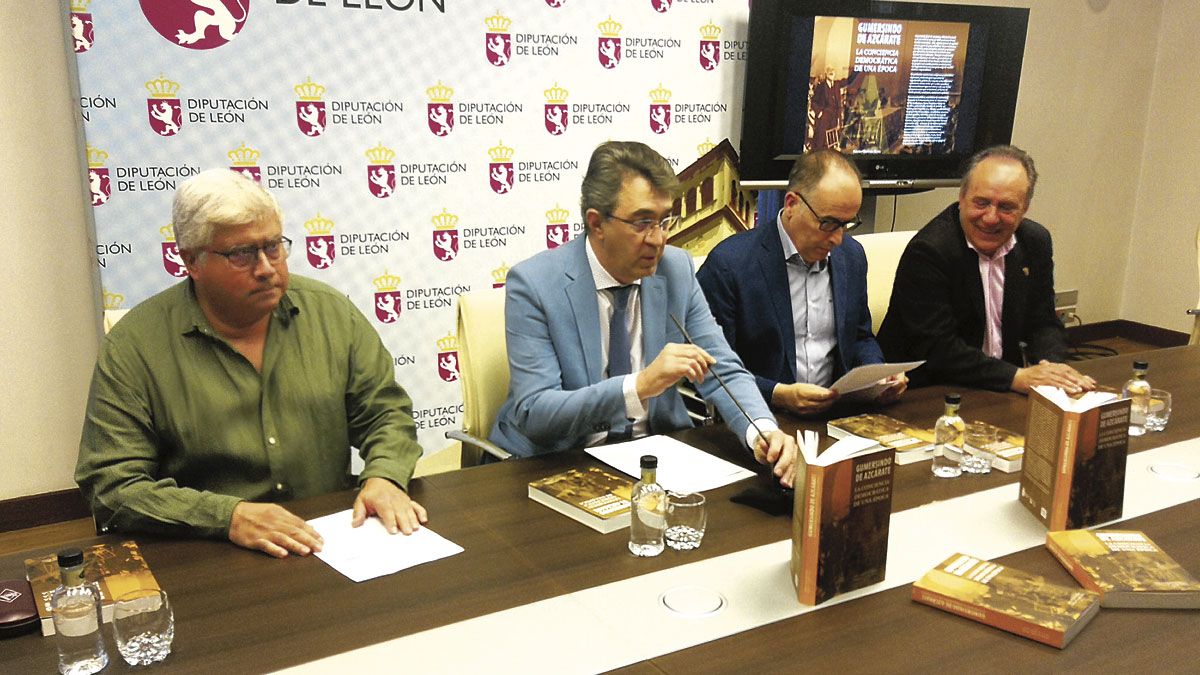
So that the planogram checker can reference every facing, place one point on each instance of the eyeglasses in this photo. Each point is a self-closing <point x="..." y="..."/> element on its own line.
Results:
<point x="642" y="224"/>
<point x="829" y="223"/>
<point x="246" y="257"/>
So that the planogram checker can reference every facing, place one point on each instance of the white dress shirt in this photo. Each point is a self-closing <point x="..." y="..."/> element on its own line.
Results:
<point x="812" y="313"/>
<point x="634" y="409"/>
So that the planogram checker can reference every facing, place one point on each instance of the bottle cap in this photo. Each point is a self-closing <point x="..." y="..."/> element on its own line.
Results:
<point x="953" y="398"/>
<point x="1141" y="365"/>
<point x="70" y="557"/>
<point x="649" y="462"/>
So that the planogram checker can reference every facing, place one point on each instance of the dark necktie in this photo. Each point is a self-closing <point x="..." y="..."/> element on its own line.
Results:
<point x="618" y="350"/>
<point x="618" y="333"/>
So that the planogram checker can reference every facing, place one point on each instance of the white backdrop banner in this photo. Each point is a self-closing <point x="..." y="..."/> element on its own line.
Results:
<point x="418" y="147"/>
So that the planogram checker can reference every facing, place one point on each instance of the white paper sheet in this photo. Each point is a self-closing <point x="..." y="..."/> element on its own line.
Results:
<point x="681" y="467"/>
<point x="809" y="442"/>
<point x="866" y="376"/>
<point x="1088" y="401"/>
<point x="370" y="551"/>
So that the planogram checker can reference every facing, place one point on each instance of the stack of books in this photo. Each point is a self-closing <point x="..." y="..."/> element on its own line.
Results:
<point x="1117" y="568"/>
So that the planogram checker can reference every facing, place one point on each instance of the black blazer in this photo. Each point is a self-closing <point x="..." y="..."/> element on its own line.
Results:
<point x="745" y="281"/>
<point x="936" y="312"/>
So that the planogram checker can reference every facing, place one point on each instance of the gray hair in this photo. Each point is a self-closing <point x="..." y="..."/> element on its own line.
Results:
<point x="611" y="162"/>
<point x="214" y="199"/>
<point x="1009" y="152"/>
<point x="811" y="167"/>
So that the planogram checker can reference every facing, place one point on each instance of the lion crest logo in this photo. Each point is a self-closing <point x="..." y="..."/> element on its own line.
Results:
<point x="197" y="24"/>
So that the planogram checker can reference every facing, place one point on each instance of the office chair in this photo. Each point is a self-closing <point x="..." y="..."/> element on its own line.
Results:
<point x="483" y="371"/>
<point x="111" y="317"/>
<point x="883" y="251"/>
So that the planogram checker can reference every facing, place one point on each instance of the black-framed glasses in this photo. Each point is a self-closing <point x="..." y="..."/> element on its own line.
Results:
<point x="829" y="223"/>
<point x="245" y="257"/>
<point x="642" y="224"/>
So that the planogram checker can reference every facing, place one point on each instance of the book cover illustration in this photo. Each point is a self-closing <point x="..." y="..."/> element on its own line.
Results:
<point x="887" y="431"/>
<point x="116" y="569"/>
<point x="1075" y="451"/>
<point x="840" y="522"/>
<point x="593" y="490"/>
<point x="1126" y="567"/>
<point x="1007" y="598"/>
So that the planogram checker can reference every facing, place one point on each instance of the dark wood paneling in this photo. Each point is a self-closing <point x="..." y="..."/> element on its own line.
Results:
<point x="1123" y="328"/>
<point x="43" y="509"/>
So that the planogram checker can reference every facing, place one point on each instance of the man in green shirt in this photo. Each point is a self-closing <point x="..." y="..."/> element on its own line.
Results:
<point x="241" y="387"/>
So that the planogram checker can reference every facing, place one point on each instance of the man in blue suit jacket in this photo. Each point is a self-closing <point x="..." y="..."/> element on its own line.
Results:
<point x="565" y="391"/>
<point x="791" y="295"/>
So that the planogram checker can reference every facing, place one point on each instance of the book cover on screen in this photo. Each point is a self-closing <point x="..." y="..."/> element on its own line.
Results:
<point x="591" y="496"/>
<point x="840" y="520"/>
<point x="1008" y="599"/>
<point x="910" y="443"/>
<point x="1074" y="467"/>
<point x="116" y="569"/>
<point x="1126" y="568"/>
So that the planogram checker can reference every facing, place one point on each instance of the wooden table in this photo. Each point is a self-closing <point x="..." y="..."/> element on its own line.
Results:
<point x="242" y="609"/>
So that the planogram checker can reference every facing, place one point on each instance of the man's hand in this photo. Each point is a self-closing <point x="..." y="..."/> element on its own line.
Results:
<point x="1053" y="374"/>
<point x="777" y="449"/>
<point x="272" y="529"/>
<point x="803" y="399"/>
<point x="672" y="364"/>
<point x="380" y="497"/>
<point x="896" y="386"/>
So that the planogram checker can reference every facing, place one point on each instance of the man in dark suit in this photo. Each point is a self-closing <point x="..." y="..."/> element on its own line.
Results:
<point x="826" y="107"/>
<point x="791" y="295"/>
<point x="593" y="351"/>
<point x="974" y="291"/>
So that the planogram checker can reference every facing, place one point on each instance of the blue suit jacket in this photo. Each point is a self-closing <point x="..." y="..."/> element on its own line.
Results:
<point x="558" y="394"/>
<point x="745" y="281"/>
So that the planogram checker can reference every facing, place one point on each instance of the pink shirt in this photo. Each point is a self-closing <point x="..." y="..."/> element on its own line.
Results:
<point x="991" y="273"/>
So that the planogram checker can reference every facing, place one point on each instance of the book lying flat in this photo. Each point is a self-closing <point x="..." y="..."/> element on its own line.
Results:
<point x="841" y="516"/>
<point x="910" y="443"/>
<point x="1125" y="567"/>
<point x="1008" y="599"/>
<point x="591" y="496"/>
<point x="117" y="569"/>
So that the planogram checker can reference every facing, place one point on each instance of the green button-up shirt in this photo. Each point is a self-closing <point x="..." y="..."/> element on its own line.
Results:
<point x="180" y="427"/>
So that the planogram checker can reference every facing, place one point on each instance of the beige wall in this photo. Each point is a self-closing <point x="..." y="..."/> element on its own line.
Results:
<point x="1107" y="108"/>
<point x="1160" y="277"/>
<point x="1081" y="113"/>
<point x="47" y="306"/>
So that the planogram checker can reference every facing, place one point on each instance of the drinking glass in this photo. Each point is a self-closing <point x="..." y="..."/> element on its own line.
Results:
<point x="143" y="626"/>
<point x="1160" y="410"/>
<point x="686" y="520"/>
<point x="979" y="441"/>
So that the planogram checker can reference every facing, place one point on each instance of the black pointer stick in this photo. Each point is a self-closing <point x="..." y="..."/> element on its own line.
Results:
<point x="722" y="383"/>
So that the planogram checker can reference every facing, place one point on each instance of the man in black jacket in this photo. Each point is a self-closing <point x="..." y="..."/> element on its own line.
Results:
<point x="974" y="291"/>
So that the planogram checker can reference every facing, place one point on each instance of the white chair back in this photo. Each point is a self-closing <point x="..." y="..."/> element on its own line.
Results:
<point x="883" y="251"/>
<point x="483" y="363"/>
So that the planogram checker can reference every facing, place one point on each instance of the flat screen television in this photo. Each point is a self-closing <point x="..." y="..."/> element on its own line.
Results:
<point x="909" y="90"/>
